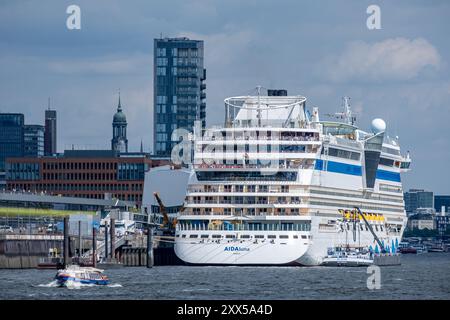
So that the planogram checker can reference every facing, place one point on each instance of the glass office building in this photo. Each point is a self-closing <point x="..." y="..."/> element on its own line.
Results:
<point x="442" y="201"/>
<point x="179" y="90"/>
<point x="11" y="136"/>
<point x="33" y="140"/>
<point x="418" y="198"/>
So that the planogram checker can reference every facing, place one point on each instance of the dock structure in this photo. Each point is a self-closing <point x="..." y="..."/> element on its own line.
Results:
<point x="66" y="241"/>
<point x="22" y="251"/>
<point x="387" y="260"/>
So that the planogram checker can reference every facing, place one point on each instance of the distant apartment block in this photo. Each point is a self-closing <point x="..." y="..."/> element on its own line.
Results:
<point x="179" y="89"/>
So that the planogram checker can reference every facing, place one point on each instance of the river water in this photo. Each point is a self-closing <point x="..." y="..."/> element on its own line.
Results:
<point x="425" y="276"/>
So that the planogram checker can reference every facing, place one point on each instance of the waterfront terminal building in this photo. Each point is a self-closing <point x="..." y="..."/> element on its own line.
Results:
<point x="93" y="174"/>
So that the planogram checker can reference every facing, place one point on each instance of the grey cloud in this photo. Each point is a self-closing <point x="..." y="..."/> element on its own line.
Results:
<point x="397" y="58"/>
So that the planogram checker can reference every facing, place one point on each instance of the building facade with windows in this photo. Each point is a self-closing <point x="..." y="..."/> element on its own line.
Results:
<point x="179" y="90"/>
<point x="33" y="140"/>
<point x="418" y="198"/>
<point x="11" y="136"/>
<point x="442" y="201"/>
<point x="94" y="174"/>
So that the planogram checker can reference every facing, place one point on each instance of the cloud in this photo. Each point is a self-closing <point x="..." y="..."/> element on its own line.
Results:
<point x="224" y="48"/>
<point x="391" y="59"/>
<point x="106" y="65"/>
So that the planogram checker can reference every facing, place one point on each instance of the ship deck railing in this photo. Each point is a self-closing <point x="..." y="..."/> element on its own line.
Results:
<point x="245" y="227"/>
<point x="251" y="166"/>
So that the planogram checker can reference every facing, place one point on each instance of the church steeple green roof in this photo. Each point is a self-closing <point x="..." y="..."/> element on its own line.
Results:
<point x="119" y="116"/>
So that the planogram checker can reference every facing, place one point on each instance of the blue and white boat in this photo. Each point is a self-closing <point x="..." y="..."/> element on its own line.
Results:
<point x="82" y="275"/>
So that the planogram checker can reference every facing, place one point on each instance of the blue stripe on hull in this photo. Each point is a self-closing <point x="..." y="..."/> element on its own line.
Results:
<point x="62" y="280"/>
<point x="354" y="170"/>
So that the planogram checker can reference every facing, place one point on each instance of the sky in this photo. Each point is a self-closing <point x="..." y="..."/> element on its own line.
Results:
<point x="322" y="50"/>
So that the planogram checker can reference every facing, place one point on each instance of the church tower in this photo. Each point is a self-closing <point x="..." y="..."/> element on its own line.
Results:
<point x="119" y="141"/>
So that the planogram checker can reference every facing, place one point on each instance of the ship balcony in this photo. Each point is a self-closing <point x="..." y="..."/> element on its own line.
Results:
<point x="256" y="139"/>
<point x="282" y="166"/>
<point x="235" y="202"/>
<point x="219" y="226"/>
<point x="249" y="190"/>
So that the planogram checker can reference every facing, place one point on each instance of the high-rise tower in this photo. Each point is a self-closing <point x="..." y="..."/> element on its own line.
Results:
<point x="50" y="132"/>
<point x="179" y="90"/>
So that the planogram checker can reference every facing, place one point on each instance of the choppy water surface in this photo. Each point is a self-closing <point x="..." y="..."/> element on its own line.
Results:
<point x="425" y="276"/>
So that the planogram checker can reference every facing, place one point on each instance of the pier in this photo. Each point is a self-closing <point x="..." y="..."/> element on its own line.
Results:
<point x="22" y="251"/>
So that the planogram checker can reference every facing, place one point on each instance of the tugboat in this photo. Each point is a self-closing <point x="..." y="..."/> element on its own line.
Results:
<point x="83" y="275"/>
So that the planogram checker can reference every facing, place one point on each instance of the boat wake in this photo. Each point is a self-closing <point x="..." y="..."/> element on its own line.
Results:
<point x="52" y="284"/>
<point x="76" y="285"/>
<point x="69" y="284"/>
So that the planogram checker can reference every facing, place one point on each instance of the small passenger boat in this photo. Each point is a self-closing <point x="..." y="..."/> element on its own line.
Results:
<point x="83" y="275"/>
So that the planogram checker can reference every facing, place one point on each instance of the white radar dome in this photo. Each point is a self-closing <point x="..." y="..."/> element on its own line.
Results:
<point x="378" y="125"/>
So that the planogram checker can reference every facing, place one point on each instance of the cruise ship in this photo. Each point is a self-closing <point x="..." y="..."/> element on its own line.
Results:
<point x="276" y="185"/>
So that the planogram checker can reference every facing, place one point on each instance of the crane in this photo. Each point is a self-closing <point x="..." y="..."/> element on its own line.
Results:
<point x="163" y="210"/>
<point x="371" y="230"/>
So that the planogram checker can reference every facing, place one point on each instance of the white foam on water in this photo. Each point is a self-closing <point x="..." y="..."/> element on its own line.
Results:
<point x="199" y="289"/>
<point x="77" y="285"/>
<point x="70" y="284"/>
<point x="52" y="284"/>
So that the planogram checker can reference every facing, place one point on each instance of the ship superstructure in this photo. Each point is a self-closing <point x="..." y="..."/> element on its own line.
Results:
<point x="276" y="185"/>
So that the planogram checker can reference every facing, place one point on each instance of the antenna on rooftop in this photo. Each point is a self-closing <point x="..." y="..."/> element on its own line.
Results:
<point x="346" y="113"/>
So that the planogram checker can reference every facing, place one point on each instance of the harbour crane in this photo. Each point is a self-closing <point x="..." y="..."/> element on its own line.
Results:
<point x="163" y="210"/>
<point x="371" y="230"/>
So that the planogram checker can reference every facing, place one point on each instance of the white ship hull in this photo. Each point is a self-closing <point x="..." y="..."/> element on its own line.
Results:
<point x="236" y="252"/>
<point x="307" y="249"/>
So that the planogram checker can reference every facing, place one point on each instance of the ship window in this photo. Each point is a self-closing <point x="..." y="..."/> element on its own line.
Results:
<point x="183" y="236"/>
<point x="284" y="236"/>
<point x="339" y="153"/>
<point x="387" y="162"/>
<point x="295" y="236"/>
<point x="381" y="228"/>
<point x="271" y="236"/>
<point x="204" y="236"/>
<point x="259" y="236"/>
<point x="193" y="236"/>
<point x="376" y="228"/>
<point x="304" y="237"/>
<point x="216" y="236"/>
<point x="245" y="236"/>
<point x="230" y="236"/>
<point x="367" y="228"/>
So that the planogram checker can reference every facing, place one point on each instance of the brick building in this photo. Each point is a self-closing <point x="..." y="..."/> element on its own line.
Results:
<point x="95" y="174"/>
